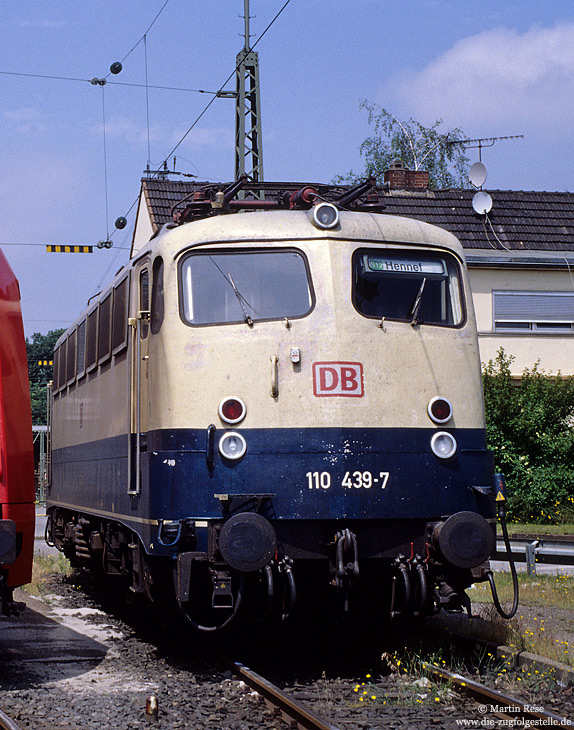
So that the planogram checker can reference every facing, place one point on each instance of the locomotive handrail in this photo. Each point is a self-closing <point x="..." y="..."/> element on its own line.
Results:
<point x="274" y="376"/>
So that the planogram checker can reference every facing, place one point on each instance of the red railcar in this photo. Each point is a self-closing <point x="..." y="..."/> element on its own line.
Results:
<point x="17" y="491"/>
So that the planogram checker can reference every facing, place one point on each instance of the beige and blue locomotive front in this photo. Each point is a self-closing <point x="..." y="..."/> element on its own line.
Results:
<point x="299" y="368"/>
<point x="326" y="379"/>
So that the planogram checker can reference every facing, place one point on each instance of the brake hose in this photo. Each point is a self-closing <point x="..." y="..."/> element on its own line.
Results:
<point x="502" y="517"/>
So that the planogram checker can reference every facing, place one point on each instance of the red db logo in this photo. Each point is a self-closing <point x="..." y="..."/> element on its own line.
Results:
<point x="338" y="379"/>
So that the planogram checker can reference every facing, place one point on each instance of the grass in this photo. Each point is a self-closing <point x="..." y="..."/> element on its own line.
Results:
<point x="536" y="529"/>
<point x="528" y="633"/>
<point x="543" y="589"/>
<point x="44" y="566"/>
<point x="413" y="687"/>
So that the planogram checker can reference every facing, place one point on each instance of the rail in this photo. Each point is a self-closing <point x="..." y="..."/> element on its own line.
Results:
<point x="7" y="724"/>
<point x="499" y="703"/>
<point x="292" y="710"/>
<point x="530" y="549"/>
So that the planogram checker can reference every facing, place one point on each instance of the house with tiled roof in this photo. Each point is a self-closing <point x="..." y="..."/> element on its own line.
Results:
<point x="520" y="257"/>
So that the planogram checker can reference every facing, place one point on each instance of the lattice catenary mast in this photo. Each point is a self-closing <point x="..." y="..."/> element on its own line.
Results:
<point x="248" y="142"/>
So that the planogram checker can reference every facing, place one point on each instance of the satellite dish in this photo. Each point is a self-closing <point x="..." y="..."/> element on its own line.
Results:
<point x="482" y="203"/>
<point x="477" y="174"/>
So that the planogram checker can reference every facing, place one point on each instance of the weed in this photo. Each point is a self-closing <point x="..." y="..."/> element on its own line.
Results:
<point x="44" y="566"/>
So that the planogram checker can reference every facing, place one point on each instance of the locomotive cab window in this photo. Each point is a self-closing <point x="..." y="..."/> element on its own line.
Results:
<point x="246" y="286"/>
<point x="409" y="287"/>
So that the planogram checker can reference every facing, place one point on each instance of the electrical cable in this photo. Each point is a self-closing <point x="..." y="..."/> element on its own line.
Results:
<point x="105" y="164"/>
<point x="113" y="83"/>
<point x="223" y="85"/>
<point x="43" y="245"/>
<point x="494" y="232"/>
<point x="487" y="236"/>
<point x="146" y="32"/>
<point x="147" y="103"/>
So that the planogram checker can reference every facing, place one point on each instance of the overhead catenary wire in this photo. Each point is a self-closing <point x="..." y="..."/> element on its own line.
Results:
<point x="43" y="245"/>
<point x="202" y="113"/>
<point x="112" y="83"/>
<point x="105" y="164"/>
<point x="147" y="86"/>
<point x="146" y="32"/>
<point x="147" y="104"/>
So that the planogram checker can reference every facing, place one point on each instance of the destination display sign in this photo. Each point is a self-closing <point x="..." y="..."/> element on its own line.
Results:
<point x="396" y="265"/>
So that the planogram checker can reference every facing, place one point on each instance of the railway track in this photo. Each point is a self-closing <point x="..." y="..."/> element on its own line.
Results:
<point x="490" y="704"/>
<point x="290" y="710"/>
<point x="498" y="703"/>
<point x="192" y="694"/>
<point x="6" y="723"/>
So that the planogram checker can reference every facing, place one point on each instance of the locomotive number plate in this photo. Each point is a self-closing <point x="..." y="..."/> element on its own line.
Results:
<point x="351" y="480"/>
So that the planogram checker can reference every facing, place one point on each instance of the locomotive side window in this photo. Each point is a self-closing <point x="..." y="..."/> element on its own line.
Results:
<point x="104" y="328"/>
<point x="157" y="306"/>
<point x="227" y="288"/>
<point x="71" y="359"/>
<point x="91" y="339"/>
<point x="407" y="286"/>
<point x="120" y="316"/>
<point x="81" y="353"/>
<point x="56" y="372"/>
<point x="62" y="366"/>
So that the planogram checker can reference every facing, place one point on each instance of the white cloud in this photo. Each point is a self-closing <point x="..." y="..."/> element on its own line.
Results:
<point x="24" y="120"/>
<point x="206" y="137"/>
<point x="127" y="130"/>
<point x="497" y="76"/>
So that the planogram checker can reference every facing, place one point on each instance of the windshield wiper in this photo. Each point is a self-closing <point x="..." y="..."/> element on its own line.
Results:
<point x="241" y="299"/>
<point x="246" y="317"/>
<point x="413" y="314"/>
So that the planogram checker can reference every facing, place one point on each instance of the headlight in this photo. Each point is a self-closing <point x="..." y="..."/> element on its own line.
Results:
<point x="325" y="215"/>
<point x="443" y="445"/>
<point x="232" y="445"/>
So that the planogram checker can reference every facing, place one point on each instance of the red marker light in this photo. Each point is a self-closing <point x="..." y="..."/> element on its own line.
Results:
<point x="232" y="410"/>
<point x="440" y="410"/>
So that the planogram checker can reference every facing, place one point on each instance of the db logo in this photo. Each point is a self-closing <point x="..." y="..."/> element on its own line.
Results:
<point x="338" y="379"/>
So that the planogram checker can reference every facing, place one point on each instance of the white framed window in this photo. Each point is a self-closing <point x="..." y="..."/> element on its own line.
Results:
<point x="534" y="311"/>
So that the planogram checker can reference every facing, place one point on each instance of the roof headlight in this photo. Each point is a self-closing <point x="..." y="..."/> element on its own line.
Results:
<point x="325" y="215"/>
<point x="443" y="445"/>
<point x="232" y="445"/>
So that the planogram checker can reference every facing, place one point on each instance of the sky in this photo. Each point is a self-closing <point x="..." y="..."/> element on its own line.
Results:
<point x="72" y="153"/>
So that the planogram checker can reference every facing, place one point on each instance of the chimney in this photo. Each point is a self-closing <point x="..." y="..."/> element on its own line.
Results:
<point x="399" y="178"/>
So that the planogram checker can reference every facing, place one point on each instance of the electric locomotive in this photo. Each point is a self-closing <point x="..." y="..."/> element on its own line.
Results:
<point x="17" y="490"/>
<point x="277" y="405"/>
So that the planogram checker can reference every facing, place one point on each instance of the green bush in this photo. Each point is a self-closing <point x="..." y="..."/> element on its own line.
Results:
<point x="530" y="429"/>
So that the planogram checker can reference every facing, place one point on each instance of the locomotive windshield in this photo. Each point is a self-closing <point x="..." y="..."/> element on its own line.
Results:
<point x="405" y="286"/>
<point x="226" y="288"/>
